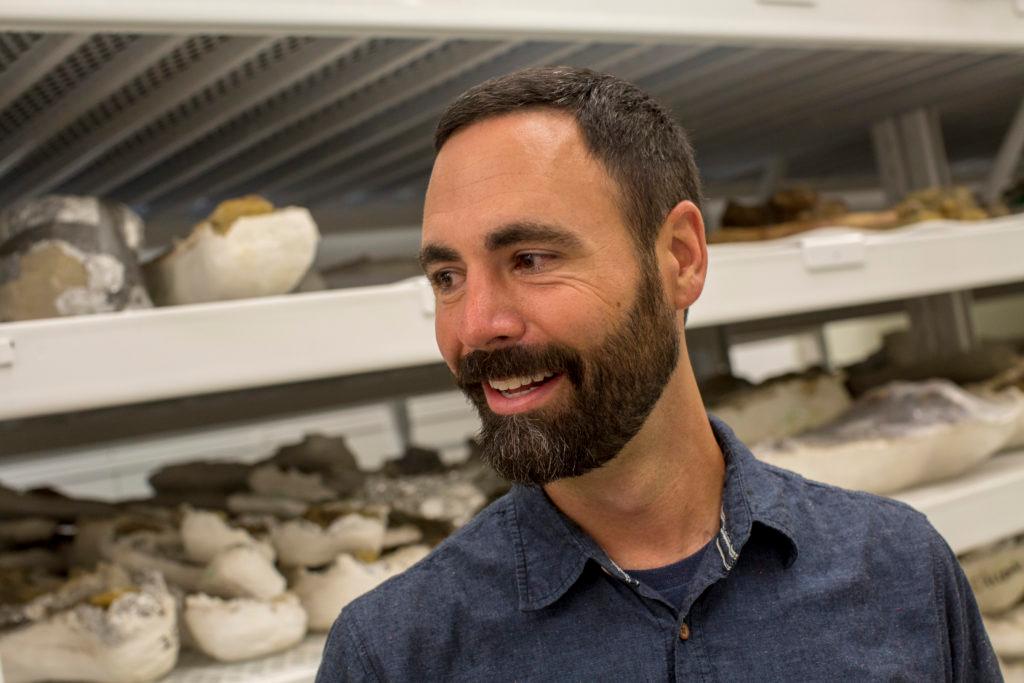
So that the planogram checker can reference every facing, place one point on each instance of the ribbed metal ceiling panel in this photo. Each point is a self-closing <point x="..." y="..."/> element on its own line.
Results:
<point x="177" y="122"/>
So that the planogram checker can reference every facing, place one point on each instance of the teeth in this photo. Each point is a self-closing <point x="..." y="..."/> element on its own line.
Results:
<point x="513" y="383"/>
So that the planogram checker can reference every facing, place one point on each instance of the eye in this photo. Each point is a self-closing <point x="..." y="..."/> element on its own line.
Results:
<point x="443" y="280"/>
<point x="532" y="261"/>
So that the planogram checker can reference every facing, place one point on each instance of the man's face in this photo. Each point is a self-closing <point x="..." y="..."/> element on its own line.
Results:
<point x="552" y="327"/>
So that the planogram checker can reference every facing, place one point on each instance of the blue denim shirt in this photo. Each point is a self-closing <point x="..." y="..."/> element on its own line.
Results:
<point x="805" y="582"/>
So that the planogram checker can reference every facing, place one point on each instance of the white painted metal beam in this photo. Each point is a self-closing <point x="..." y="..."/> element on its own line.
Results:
<point x="1007" y="159"/>
<point x="305" y="60"/>
<point x="845" y="113"/>
<point x="758" y="84"/>
<point x="310" y="177"/>
<point x="385" y="59"/>
<point x="311" y="133"/>
<point x="50" y="173"/>
<point x="836" y="94"/>
<point x="789" y="101"/>
<point x="415" y="144"/>
<point x="87" y="93"/>
<point x="117" y="358"/>
<point x="993" y="24"/>
<point x="659" y="58"/>
<point x="45" y="53"/>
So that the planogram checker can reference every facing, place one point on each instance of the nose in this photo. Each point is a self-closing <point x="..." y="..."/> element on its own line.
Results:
<point x="490" y="317"/>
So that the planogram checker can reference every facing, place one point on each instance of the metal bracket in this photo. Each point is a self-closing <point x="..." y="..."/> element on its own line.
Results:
<point x="941" y="324"/>
<point x="426" y="292"/>
<point x="910" y="153"/>
<point x="892" y="168"/>
<point x="832" y="252"/>
<point x="6" y="353"/>
<point x="771" y="177"/>
<point x="792" y="3"/>
<point x="403" y="424"/>
<point x="709" y="351"/>
<point x="1009" y="155"/>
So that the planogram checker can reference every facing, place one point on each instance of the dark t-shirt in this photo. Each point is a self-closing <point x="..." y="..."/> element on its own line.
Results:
<point x="672" y="581"/>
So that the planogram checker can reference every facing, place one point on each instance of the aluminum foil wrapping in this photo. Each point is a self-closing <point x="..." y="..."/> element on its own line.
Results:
<point x="62" y="256"/>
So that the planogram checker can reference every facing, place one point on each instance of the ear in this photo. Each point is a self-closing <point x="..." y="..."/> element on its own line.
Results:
<point x="686" y="251"/>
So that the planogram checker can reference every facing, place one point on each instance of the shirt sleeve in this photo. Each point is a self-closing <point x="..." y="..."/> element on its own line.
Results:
<point x="970" y="654"/>
<point x="344" y="658"/>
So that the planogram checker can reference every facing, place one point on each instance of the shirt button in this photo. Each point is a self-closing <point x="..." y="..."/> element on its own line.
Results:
<point x="684" y="632"/>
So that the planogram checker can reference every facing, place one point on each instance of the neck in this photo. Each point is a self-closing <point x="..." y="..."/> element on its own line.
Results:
<point x="658" y="500"/>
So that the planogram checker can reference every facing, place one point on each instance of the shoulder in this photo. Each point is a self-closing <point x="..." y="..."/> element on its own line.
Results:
<point x="871" y="527"/>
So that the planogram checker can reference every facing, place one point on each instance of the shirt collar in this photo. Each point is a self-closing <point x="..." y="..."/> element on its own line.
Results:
<point x="551" y="551"/>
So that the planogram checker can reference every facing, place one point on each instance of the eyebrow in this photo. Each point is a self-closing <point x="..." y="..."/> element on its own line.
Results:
<point x="504" y="237"/>
<point x="516" y="233"/>
<point x="434" y="253"/>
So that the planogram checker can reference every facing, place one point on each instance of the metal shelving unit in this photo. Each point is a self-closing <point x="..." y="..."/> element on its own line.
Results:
<point x="173" y="107"/>
<point x="297" y="665"/>
<point x="330" y="104"/>
<point x="276" y="340"/>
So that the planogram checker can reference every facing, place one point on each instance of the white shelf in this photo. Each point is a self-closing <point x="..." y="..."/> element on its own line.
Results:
<point x="978" y="508"/>
<point x="87" y="362"/>
<point x="96" y="361"/>
<point x="297" y="665"/>
<point x="835" y="267"/>
<point x="938" y="23"/>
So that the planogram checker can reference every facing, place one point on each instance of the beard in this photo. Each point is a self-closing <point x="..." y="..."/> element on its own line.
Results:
<point x="613" y="390"/>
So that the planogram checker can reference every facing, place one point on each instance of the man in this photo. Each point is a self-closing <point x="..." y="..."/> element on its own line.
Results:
<point x="562" y="233"/>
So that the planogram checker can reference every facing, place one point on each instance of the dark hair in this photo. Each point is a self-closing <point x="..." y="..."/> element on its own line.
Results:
<point x="640" y="144"/>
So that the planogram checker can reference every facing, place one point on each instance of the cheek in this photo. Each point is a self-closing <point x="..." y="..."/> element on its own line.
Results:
<point x="447" y="341"/>
<point x="577" y="321"/>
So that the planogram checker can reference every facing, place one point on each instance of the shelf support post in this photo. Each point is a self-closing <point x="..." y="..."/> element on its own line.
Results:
<point x="709" y="351"/>
<point x="892" y="169"/>
<point x="403" y="424"/>
<point x="910" y="153"/>
<point x="771" y="177"/>
<point x="941" y="324"/>
<point x="1007" y="159"/>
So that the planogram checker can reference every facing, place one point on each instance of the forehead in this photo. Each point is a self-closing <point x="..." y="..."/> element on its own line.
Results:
<point x="525" y="167"/>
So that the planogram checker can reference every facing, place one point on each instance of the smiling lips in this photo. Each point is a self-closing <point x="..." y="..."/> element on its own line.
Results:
<point x="517" y="386"/>
<point x="519" y="394"/>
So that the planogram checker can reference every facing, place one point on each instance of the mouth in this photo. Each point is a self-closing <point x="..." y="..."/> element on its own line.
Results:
<point x="510" y="395"/>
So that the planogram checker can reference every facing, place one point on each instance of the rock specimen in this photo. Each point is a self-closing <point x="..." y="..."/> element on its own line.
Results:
<point x="18" y="505"/>
<point x="452" y="498"/>
<point x="244" y="249"/>
<point x="996" y="575"/>
<point x="206" y="534"/>
<point x="221" y="477"/>
<point x="243" y="571"/>
<point x="233" y="630"/>
<point x="900" y="359"/>
<point x="28" y="530"/>
<point x="783" y="407"/>
<point x="126" y="634"/>
<point x="938" y="203"/>
<point x="63" y="256"/>
<point x="272" y="481"/>
<point x="899" y="436"/>
<point x="330" y="457"/>
<point x="328" y="531"/>
<point x="415" y="461"/>
<point x="249" y="504"/>
<point x="324" y="593"/>
<point x="1011" y="381"/>
<point x="1006" y="631"/>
